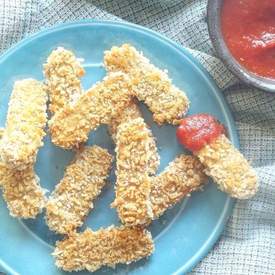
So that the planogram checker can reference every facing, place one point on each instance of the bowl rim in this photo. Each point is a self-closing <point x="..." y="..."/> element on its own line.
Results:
<point x="214" y="29"/>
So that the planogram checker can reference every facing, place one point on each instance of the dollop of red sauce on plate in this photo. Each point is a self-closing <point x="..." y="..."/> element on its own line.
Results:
<point x="198" y="130"/>
<point x="248" y="28"/>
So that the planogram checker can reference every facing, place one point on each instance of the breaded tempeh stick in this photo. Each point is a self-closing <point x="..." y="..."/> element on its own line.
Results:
<point x="63" y="72"/>
<point x="129" y="113"/>
<point x="133" y="183"/>
<point x="183" y="176"/>
<point x="73" y="197"/>
<point x="72" y="124"/>
<point x="25" y="124"/>
<point x="228" y="168"/>
<point x="153" y="86"/>
<point x="21" y="190"/>
<point x="106" y="247"/>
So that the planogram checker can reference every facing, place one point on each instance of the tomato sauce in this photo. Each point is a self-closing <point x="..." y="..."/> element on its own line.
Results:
<point x="248" y="28"/>
<point x="198" y="130"/>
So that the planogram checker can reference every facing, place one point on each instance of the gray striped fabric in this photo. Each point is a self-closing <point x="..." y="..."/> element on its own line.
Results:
<point x="247" y="245"/>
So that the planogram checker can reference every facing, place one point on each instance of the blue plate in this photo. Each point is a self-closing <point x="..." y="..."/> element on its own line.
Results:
<point x="185" y="234"/>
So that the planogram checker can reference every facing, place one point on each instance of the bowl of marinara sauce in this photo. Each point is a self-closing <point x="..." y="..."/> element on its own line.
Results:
<point x="243" y="35"/>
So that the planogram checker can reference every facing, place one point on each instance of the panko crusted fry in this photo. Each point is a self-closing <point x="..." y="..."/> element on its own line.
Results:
<point x="21" y="190"/>
<point x="92" y="250"/>
<point x="228" y="168"/>
<point x="183" y="176"/>
<point x="83" y="181"/>
<point x="129" y="113"/>
<point x="153" y="86"/>
<point x="63" y="72"/>
<point x="133" y="185"/>
<point x="25" y="124"/>
<point x="72" y="124"/>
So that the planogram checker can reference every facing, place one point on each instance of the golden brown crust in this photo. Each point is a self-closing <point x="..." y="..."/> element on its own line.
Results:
<point x="128" y="114"/>
<point x="72" y="124"/>
<point x="73" y="197"/>
<point x="133" y="185"/>
<point x="25" y="124"/>
<point x="228" y="168"/>
<point x="62" y="73"/>
<point x="151" y="85"/>
<point x="106" y="247"/>
<point x="183" y="176"/>
<point x="21" y="190"/>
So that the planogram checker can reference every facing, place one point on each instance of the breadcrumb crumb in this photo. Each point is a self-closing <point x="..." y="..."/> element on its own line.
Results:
<point x="133" y="185"/>
<point x="92" y="250"/>
<point x="151" y="85"/>
<point x="62" y="73"/>
<point x="183" y="176"/>
<point x="73" y="197"/>
<point x="228" y="168"/>
<point x="25" y="124"/>
<point x="71" y="125"/>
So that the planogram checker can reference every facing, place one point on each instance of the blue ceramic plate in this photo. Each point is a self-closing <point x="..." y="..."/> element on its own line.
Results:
<point x="185" y="234"/>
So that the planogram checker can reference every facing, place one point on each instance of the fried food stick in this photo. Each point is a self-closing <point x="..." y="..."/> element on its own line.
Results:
<point x="63" y="72"/>
<point x="72" y="124"/>
<point x="183" y="176"/>
<point x="153" y="86"/>
<point x="128" y="114"/>
<point x="205" y="136"/>
<point x="21" y="190"/>
<point x="228" y="168"/>
<point x="25" y="124"/>
<point x="24" y="196"/>
<point x="106" y="247"/>
<point x="133" y="185"/>
<point x="73" y="197"/>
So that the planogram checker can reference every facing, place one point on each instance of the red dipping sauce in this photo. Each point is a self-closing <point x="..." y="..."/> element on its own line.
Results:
<point x="248" y="27"/>
<point x="198" y="130"/>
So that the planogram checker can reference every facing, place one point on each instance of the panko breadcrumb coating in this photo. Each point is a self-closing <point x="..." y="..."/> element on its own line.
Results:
<point x="73" y="197"/>
<point x="126" y="115"/>
<point x="62" y="73"/>
<point x="228" y="168"/>
<point x="71" y="125"/>
<point x="133" y="185"/>
<point x="129" y="113"/>
<point x="92" y="250"/>
<point x="24" y="196"/>
<point x="151" y="85"/>
<point x="183" y="176"/>
<point x="21" y="190"/>
<point x="25" y="124"/>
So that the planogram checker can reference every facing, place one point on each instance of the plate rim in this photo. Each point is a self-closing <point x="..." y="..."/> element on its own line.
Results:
<point x="229" y="203"/>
